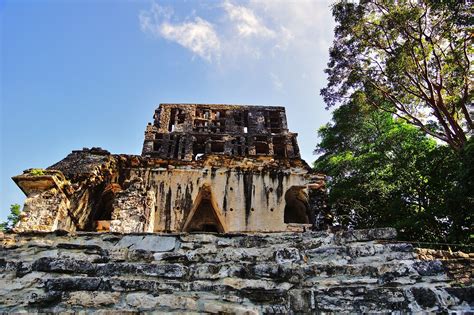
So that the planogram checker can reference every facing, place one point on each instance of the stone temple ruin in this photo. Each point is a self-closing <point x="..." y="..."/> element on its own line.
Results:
<point x="211" y="168"/>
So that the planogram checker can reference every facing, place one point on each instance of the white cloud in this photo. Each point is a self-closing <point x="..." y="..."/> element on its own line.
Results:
<point x="246" y="22"/>
<point x="199" y="36"/>
<point x="309" y="22"/>
<point x="250" y="30"/>
<point x="151" y="19"/>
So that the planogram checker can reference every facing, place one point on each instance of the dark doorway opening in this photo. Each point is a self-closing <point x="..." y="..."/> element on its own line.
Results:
<point x="101" y="210"/>
<point x="297" y="206"/>
<point x="204" y="218"/>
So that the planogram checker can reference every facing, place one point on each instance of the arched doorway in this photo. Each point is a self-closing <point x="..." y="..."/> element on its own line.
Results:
<point x="297" y="207"/>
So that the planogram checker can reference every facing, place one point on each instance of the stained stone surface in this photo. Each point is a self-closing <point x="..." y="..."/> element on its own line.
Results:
<point x="310" y="272"/>
<point x="203" y="168"/>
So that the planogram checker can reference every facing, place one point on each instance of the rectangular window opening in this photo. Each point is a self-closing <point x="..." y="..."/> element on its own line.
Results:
<point x="261" y="148"/>
<point x="172" y="119"/>
<point x="217" y="147"/>
<point x="181" y="116"/>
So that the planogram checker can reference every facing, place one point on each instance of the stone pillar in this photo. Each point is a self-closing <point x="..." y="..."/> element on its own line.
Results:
<point x="149" y="139"/>
<point x="251" y="145"/>
<point x="284" y="124"/>
<point x="165" y="147"/>
<point x="189" y="113"/>
<point x="188" y="150"/>
<point x="133" y="209"/>
<point x="47" y="203"/>
<point x="228" y="145"/>
<point x="290" y="152"/>
<point x="162" y="118"/>
<point x="271" y="150"/>
<point x="230" y="122"/>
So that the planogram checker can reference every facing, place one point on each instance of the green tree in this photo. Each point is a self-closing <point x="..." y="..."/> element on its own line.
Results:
<point x="383" y="172"/>
<point x="12" y="218"/>
<point x="412" y="59"/>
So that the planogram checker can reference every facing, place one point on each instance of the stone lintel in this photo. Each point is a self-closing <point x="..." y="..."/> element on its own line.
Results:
<point x="30" y="183"/>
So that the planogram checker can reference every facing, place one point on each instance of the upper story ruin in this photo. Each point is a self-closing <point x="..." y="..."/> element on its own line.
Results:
<point x="214" y="168"/>
<point x="187" y="131"/>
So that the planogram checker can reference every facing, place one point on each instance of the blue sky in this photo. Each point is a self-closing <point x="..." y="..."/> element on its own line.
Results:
<point x="90" y="73"/>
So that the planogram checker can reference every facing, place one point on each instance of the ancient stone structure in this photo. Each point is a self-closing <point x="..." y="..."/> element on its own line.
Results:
<point x="185" y="132"/>
<point x="227" y="173"/>
<point x="220" y="168"/>
<point x="312" y="272"/>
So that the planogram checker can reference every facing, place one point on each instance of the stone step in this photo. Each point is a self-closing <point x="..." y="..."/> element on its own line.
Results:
<point x="286" y="265"/>
<point x="263" y="273"/>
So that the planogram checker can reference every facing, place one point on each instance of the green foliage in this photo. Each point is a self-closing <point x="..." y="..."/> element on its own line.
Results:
<point x="385" y="172"/>
<point x="37" y="172"/>
<point x="411" y="59"/>
<point x="12" y="218"/>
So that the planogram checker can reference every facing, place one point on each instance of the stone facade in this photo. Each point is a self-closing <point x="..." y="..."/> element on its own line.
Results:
<point x="217" y="168"/>
<point x="231" y="170"/>
<point x="186" y="131"/>
<point x="312" y="272"/>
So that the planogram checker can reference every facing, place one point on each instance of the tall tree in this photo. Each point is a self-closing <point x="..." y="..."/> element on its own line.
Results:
<point x="412" y="58"/>
<point x="384" y="172"/>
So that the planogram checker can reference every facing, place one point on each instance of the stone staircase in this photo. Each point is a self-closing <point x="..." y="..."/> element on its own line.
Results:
<point x="311" y="272"/>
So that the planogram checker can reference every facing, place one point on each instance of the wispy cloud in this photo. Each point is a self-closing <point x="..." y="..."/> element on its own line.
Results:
<point x="246" y="23"/>
<point x="287" y="35"/>
<point x="241" y="32"/>
<point x="199" y="36"/>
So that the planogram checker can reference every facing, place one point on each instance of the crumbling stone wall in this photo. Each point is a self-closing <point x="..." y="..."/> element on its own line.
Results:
<point x="127" y="193"/>
<point x="225" y="168"/>
<point x="458" y="265"/>
<point x="185" y="131"/>
<point x="352" y="271"/>
<point x="69" y="192"/>
<point x="47" y="205"/>
<point x="134" y="209"/>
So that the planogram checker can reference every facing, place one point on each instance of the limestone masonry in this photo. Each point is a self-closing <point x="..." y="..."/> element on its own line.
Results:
<point x="310" y="272"/>
<point x="217" y="168"/>
<point x="218" y="215"/>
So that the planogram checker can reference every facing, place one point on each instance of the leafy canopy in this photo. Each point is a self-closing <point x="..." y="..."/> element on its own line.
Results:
<point x="412" y="59"/>
<point x="383" y="172"/>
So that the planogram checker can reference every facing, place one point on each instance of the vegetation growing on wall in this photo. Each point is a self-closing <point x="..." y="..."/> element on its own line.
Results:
<point x="37" y="172"/>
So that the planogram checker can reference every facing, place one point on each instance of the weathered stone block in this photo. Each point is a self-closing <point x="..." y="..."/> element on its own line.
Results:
<point x="157" y="270"/>
<point x="50" y="264"/>
<point x="152" y="243"/>
<point x="92" y="299"/>
<point x="429" y="268"/>
<point x="73" y="284"/>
